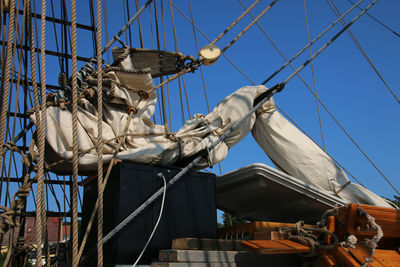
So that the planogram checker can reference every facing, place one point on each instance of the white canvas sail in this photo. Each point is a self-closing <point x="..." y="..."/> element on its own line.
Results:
<point x="146" y="142"/>
<point x="297" y="155"/>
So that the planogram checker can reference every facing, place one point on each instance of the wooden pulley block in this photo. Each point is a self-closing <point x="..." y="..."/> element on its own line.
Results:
<point x="210" y="53"/>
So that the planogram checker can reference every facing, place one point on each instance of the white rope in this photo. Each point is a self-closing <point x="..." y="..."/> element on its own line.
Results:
<point x="158" y="220"/>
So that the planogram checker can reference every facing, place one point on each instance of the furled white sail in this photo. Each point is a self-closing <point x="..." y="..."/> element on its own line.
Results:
<point x="146" y="142"/>
<point x="297" y="155"/>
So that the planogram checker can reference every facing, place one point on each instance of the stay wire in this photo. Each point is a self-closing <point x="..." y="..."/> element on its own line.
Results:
<point x="372" y="65"/>
<point x="313" y="75"/>
<point x="312" y="42"/>
<point x="329" y="42"/>
<point x="308" y="87"/>
<point x="258" y="102"/>
<point x="235" y="22"/>
<point x="125" y="27"/>
<point x="352" y="36"/>
<point x="378" y="21"/>
<point x="311" y="91"/>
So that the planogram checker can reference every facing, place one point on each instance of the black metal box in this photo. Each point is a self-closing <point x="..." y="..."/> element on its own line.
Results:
<point x="189" y="211"/>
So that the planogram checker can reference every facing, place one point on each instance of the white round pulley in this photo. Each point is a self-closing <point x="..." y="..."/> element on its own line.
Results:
<point x="210" y="53"/>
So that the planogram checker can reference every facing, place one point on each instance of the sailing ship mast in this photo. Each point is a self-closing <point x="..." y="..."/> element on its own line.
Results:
<point x="18" y="100"/>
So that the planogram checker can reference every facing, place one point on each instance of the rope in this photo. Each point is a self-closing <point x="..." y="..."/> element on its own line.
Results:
<point x="248" y="27"/>
<point x="268" y="94"/>
<point x="6" y="146"/>
<point x="314" y="82"/>
<point x="140" y="26"/>
<point x="121" y="140"/>
<point x="100" y="134"/>
<point x="5" y="73"/>
<point x="123" y="29"/>
<point x="365" y="54"/>
<point x="373" y="243"/>
<point x="387" y="86"/>
<point x="158" y="220"/>
<point x="381" y="23"/>
<point x="41" y="206"/>
<point x="39" y="118"/>
<point x="233" y="23"/>
<point x="75" y="166"/>
<point x="260" y="100"/>
<point x="308" y="237"/>
<point x="329" y="42"/>
<point x="309" y="44"/>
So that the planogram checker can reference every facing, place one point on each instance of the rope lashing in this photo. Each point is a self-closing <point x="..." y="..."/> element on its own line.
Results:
<point x="121" y="140"/>
<point x="268" y="94"/>
<point x="371" y="243"/>
<point x="312" y="42"/>
<point x="310" y="236"/>
<point x="7" y="145"/>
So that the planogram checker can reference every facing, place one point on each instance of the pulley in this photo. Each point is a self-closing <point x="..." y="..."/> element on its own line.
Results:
<point x="209" y="54"/>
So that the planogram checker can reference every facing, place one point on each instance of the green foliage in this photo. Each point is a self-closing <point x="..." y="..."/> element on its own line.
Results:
<point x="396" y="200"/>
<point x="230" y="220"/>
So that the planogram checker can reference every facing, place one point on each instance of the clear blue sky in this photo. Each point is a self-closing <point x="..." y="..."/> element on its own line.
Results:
<point x="346" y="83"/>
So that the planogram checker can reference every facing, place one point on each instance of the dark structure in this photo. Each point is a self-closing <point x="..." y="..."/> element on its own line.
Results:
<point x="189" y="211"/>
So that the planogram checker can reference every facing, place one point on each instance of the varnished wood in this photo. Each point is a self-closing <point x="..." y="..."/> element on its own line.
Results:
<point x="275" y="246"/>
<point x="207" y="244"/>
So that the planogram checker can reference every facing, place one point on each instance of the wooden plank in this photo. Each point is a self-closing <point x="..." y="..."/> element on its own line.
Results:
<point x="251" y="228"/>
<point x="275" y="246"/>
<point x="226" y="258"/>
<point x="346" y="257"/>
<point x="326" y="259"/>
<point x="224" y="264"/>
<point x="330" y="227"/>
<point x="207" y="244"/>
<point x="175" y="255"/>
<point x="360" y="253"/>
<point x="387" y="258"/>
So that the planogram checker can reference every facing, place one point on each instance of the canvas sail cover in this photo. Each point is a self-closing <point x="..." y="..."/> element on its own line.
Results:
<point x="297" y="155"/>
<point x="144" y="141"/>
<point x="147" y="142"/>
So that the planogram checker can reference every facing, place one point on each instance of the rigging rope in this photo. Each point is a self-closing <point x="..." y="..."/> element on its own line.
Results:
<point x="387" y="86"/>
<point x="74" y="138"/>
<point x="258" y="102"/>
<point x="314" y="82"/>
<point x="41" y="208"/>
<point x="312" y="42"/>
<point x="123" y="29"/>
<point x="110" y="166"/>
<point x="378" y="21"/>
<point x="252" y="82"/>
<point x="248" y="27"/>
<point x="100" y="132"/>
<point x="234" y="23"/>
<point x="337" y="13"/>
<point x="5" y="73"/>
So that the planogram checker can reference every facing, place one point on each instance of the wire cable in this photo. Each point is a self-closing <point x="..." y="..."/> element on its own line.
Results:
<point x="158" y="220"/>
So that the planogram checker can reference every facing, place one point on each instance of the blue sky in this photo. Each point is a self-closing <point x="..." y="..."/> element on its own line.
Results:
<point x="345" y="81"/>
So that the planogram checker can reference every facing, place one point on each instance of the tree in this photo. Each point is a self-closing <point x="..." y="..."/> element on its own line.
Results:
<point x="230" y="220"/>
